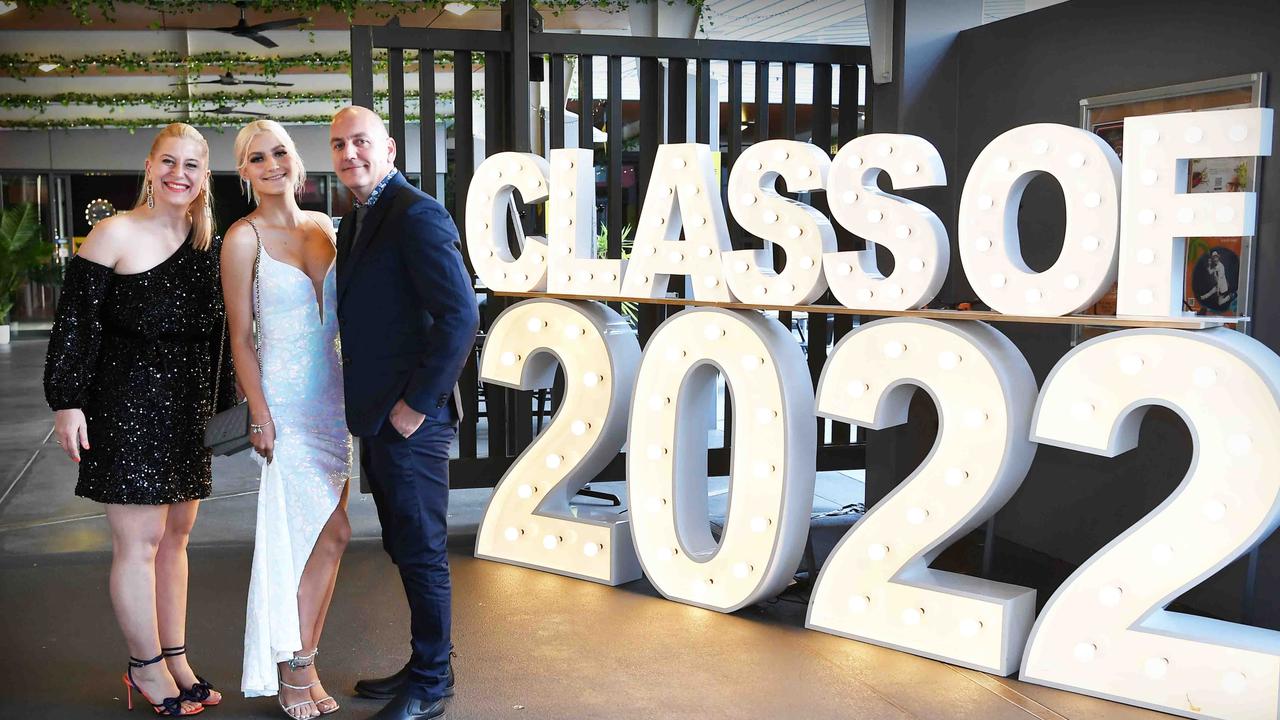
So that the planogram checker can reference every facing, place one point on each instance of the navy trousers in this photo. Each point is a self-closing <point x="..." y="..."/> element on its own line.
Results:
<point x="409" y="479"/>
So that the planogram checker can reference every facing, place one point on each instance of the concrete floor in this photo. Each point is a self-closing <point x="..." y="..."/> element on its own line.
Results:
<point x="531" y="645"/>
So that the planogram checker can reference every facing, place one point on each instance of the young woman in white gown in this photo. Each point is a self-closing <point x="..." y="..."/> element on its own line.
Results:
<point x="278" y="268"/>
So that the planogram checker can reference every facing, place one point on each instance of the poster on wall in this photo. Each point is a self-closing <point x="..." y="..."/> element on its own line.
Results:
<point x="1217" y="270"/>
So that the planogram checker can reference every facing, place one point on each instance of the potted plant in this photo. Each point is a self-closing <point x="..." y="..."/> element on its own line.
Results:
<point x="21" y="252"/>
<point x="630" y="309"/>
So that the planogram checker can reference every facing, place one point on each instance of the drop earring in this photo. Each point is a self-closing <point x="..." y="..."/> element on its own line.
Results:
<point x="208" y="207"/>
<point x="151" y="196"/>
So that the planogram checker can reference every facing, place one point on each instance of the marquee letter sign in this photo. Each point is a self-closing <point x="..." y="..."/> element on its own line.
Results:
<point x="488" y="205"/>
<point x="528" y="521"/>
<point x="1105" y="631"/>
<point x="910" y="231"/>
<point x="771" y="486"/>
<point x="680" y="199"/>
<point x="877" y="584"/>
<point x="1158" y="214"/>
<point x="803" y="232"/>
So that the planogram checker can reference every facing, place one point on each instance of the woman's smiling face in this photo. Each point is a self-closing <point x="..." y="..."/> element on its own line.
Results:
<point x="177" y="170"/>
<point x="269" y="166"/>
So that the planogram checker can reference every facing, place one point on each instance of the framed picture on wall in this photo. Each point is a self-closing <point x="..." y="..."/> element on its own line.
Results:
<point x="1218" y="270"/>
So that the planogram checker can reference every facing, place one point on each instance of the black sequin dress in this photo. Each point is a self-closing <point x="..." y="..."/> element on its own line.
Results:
<point x="137" y="353"/>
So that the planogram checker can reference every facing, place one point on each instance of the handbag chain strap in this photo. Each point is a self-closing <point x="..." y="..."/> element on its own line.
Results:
<point x="257" y="343"/>
<point x="257" y="299"/>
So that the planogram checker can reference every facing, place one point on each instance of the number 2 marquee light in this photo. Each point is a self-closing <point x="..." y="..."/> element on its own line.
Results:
<point x="1105" y="632"/>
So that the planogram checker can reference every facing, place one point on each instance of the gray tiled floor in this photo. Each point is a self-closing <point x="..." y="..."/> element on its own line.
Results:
<point x="531" y="645"/>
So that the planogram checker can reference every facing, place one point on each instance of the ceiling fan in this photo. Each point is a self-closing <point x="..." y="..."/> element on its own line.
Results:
<point x="254" y="32"/>
<point x="231" y="80"/>
<point x="222" y="110"/>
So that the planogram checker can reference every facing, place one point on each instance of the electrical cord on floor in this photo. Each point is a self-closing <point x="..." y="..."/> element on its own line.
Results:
<point x="850" y="509"/>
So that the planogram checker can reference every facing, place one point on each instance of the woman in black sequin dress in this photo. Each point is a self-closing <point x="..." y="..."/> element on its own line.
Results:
<point x="131" y="375"/>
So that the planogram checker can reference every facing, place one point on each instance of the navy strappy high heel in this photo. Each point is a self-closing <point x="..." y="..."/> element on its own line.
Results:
<point x="201" y="690"/>
<point x="169" y="707"/>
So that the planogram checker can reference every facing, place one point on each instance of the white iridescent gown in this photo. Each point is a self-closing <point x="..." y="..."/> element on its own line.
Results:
<point x="302" y="381"/>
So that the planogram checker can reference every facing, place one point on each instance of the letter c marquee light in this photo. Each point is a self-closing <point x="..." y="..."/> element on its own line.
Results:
<point x="489" y="202"/>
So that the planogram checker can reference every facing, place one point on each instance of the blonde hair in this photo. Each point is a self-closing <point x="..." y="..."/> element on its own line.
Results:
<point x="201" y="213"/>
<point x="253" y="130"/>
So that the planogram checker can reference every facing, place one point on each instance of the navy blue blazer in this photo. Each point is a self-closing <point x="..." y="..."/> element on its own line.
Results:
<point x="406" y="308"/>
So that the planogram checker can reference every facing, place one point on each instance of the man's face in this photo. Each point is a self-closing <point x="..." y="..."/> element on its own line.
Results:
<point x="362" y="152"/>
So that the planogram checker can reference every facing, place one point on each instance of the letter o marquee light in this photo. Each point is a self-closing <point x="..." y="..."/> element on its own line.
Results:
<point x="990" y="249"/>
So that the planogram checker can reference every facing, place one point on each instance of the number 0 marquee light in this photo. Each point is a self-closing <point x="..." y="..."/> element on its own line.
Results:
<point x="1105" y="631"/>
<point x="772" y="475"/>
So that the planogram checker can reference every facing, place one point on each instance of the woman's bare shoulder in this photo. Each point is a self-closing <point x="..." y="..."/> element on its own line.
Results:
<point x="109" y="239"/>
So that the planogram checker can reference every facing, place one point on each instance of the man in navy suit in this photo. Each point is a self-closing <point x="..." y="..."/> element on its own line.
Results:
<point x="407" y="315"/>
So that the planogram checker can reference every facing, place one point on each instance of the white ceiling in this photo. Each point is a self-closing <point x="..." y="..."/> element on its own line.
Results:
<point x="841" y="22"/>
<point x="823" y="21"/>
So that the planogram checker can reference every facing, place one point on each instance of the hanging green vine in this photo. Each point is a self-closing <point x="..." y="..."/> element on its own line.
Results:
<point x="82" y="9"/>
<point x="275" y="98"/>
<point x="209" y="121"/>
<point x="24" y="65"/>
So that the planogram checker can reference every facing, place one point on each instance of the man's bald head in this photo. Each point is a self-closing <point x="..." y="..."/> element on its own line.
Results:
<point x="363" y="152"/>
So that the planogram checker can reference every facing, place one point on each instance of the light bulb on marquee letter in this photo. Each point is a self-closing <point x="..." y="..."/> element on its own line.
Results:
<point x="529" y="514"/>
<point x="1159" y="214"/>
<point x="683" y="195"/>
<point x="801" y="231"/>
<point x="574" y="268"/>
<point x="908" y="230"/>
<point x="970" y="370"/>
<point x="1088" y="172"/>
<point x="1228" y="503"/>
<point x="489" y="202"/>
<point x="771" y="487"/>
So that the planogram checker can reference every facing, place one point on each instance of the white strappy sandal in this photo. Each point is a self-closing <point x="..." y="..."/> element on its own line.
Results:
<point x="297" y="663"/>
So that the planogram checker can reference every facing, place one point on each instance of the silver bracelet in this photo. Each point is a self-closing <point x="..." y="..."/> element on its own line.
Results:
<point x="256" y="428"/>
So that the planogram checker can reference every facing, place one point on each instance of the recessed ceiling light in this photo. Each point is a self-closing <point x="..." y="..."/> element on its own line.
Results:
<point x="459" y="8"/>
